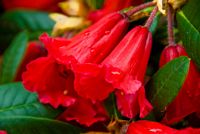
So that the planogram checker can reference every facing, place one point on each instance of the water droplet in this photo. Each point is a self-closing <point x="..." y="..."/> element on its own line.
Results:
<point x="65" y="92"/>
<point x="92" y="51"/>
<point x="155" y="130"/>
<point x="87" y="34"/>
<point x="122" y="93"/>
<point x="115" y="73"/>
<point x="107" y="32"/>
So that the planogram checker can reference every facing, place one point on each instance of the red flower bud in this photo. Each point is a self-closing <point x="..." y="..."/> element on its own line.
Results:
<point x="149" y="127"/>
<point x="187" y="100"/>
<point x="122" y="70"/>
<point x="52" y="78"/>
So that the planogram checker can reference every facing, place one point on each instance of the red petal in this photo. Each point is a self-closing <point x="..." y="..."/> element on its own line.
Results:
<point x="131" y="104"/>
<point x="3" y="132"/>
<point x="54" y="45"/>
<point x="90" y="83"/>
<point x="148" y="127"/>
<point x="85" y="112"/>
<point x="179" y="108"/>
<point x="45" y="77"/>
<point x="35" y="50"/>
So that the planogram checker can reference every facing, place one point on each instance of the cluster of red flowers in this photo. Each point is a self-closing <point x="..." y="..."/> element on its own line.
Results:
<point x="80" y="73"/>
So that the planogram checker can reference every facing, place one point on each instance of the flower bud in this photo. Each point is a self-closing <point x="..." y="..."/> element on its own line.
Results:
<point x="187" y="100"/>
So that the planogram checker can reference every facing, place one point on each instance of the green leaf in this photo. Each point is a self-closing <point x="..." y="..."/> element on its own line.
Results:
<point x="16" y="101"/>
<point x="166" y="83"/>
<point x="22" y="113"/>
<point x="12" y="57"/>
<point x="29" y="20"/>
<point x="15" y="21"/>
<point x="35" y="125"/>
<point x="189" y="29"/>
<point x="110" y="105"/>
<point x="155" y="23"/>
<point x="95" y="4"/>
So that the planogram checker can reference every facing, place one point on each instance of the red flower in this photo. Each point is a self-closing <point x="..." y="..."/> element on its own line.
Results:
<point x="3" y="132"/>
<point x="122" y="70"/>
<point x="110" y="6"/>
<point x="46" y="5"/>
<point x="187" y="100"/>
<point x="149" y="127"/>
<point x="34" y="50"/>
<point x="85" y="112"/>
<point x="49" y="78"/>
<point x="52" y="78"/>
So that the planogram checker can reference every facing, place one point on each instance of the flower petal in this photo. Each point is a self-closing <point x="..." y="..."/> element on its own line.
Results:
<point x="131" y="104"/>
<point x="85" y="112"/>
<point x="45" y="77"/>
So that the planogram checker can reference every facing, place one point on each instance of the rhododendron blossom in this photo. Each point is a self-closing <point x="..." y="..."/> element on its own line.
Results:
<point x="123" y="69"/>
<point x="53" y="80"/>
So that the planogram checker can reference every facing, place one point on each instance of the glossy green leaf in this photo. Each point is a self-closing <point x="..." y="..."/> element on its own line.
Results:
<point x="22" y="113"/>
<point x="29" y="20"/>
<point x="12" y="57"/>
<point x="35" y="125"/>
<point x="13" y="22"/>
<point x="166" y="83"/>
<point x="16" y="101"/>
<point x="189" y="29"/>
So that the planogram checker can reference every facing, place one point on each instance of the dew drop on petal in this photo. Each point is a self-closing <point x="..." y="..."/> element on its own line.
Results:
<point x="87" y="34"/>
<point x="107" y="32"/>
<point x="115" y="73"/>
<point x="155" y="130"/>
<point x="65" y="92"/>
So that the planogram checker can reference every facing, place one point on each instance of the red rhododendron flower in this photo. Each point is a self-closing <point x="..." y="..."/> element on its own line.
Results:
<point x="47" y="5"/>
<point x="34" y="50"/>
<point x="85" y="112"/>
<point x="123" y="69"/>
<point x="149" y="127"/>
<point x="187" y="100"/>
<point x="45" y="76"/>
<point x="110" y="6"/>
<point x="51" y="77"/>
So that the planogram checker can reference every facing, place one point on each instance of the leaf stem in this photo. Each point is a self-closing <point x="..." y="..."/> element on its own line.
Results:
<point x="171" y="40"/>
<point x="140" y="7"/>
<point x="151" y="17"/>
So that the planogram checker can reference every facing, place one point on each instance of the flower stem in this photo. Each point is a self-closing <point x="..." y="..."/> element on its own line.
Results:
<point x="140" y="7"/>
<point x="171" y="40"/>
<point x="151" y="17"/>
